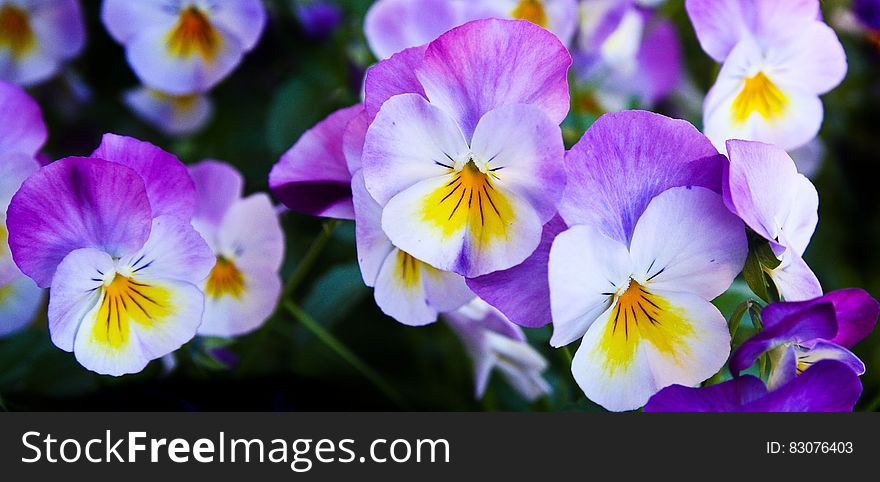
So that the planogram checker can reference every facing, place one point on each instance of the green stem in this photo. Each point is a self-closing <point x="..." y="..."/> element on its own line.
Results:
<point x="340" y="349"/>
<point x="309" y="259"/>
<point x="566" y="353"/>
<point x="874" y="405"/>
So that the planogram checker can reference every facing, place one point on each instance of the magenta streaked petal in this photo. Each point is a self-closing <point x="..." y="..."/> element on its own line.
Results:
<point x="76" y="203"/>
<point x="353" y="140"/>
<point x="313" y="177"/>
<point x="627" y="158"/>
<point x="218" y="185"/>
<point x="393" y="76"/>
<point x="169" y="187"/>
<point x="23" y="127"/>
<point x="522" y="293"/>
<point x="490" y="63"/>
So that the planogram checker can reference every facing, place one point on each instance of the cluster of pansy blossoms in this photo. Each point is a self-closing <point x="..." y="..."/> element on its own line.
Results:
<point x="180" y="50"/>
<point x="472" y="203"/>
<point x="652" y="225"/>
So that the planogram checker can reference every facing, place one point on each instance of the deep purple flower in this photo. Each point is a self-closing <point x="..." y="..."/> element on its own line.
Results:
<point x="799" y="334"/>
<point x="319" y="18"/>
<point x="868" y="13"/>
<point x="827" y="386"/>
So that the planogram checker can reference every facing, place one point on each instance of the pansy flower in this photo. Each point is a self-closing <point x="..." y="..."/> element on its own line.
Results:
<point x="468" y="165"/>
<point x="778" y="58"/>
<point x="493" y="342"/>
<point x="762" y="186"/>
<point x="635" y="272"/>
<point x="111" y="235"/>
<point x="183" y="47"/>
<point x="318" y="18"/>
<point x="243" y="288"/>
<point x="37" y="37"/>
<point x="827" y="386"/>
<point x="799" y="334"/>
<point x="174" y="115"/>
<point x="22" y="136"/>
<point x="395" y="25"/>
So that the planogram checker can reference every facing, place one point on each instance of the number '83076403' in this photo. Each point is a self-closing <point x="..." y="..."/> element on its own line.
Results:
<point x="807" y="447"/>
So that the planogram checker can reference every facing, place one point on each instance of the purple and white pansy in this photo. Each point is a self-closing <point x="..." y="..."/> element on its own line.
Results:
<point x="37" y="37"/>
<point x="183" y="47"/>
<point x="778" y="58"/>
<point x="118" y="251"/>
<point x="244" y="233"/>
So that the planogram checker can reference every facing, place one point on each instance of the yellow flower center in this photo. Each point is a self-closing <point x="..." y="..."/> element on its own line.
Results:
<point x="531" y="10"/>
<point x="469" y="199"/>
<point x="16" y="34"/>
<point x="759" y="94"/>
<point x="640" y="315"/>
<point x="125" y="301"/>
<point x="194" y="35"/>
<point x="225" y="280"/>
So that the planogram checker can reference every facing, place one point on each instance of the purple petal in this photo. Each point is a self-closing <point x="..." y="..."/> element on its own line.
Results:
<point x="169" y="187"/>
<point x="522" y="293"/>
<point x="76" y="203"/>
<point x="827" y="386"/>
<point x="811" y="323"/>
<point x="627" y="158"/>
<point x="489" y="63"/>
<point x="393" y="76"/>
<point x="856" y="312"/>
<point x="394" y="25"/>
<point x="868" y="12"/>
<point x="660" y="61"/>
<point x="218" y="185"/>
<point x="23" y="127"/>
<point x="313" y="177"/>
<point x="729" y="396"/>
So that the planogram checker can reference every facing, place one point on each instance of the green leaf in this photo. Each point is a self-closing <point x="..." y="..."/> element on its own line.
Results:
<point x="335" y="294"/>
<point x="299" y="105"/>
<point x="759" y="263"/>
<point x="737" y="316"/>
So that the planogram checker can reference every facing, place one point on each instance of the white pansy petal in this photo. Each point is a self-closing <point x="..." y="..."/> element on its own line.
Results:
<point x="76" y="291"/>
<point x="624" y="387"/>
<point x="794" y="279"/>
<point x="410" y="140"/>
<point x="687" y="240"/>
<point x="240" y="309"/>
<point x="446" y="291"/>
<point x="399" y="290"/>
<point x="812" y="61"/>
<point x="251" y="233"/>
<point x="463" y="222"/>
<point x="702" y="351"/>
<point x="172" y="115"/>
<point x="174" y="250"/>
<point x="20" y="300"/>
<point x="586" y="268"/>
<point x="160" y="68"/>
<point x="244" y="18"/>
<point x="137" y="320"/>
<point x="373" y="246"/>
<point x="124" y="18"/>
<point x="646" y="341"/>
<point x="799" y="225"/>
<point x="523" y="148"/>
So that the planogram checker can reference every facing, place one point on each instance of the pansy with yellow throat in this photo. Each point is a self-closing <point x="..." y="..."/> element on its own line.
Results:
<point x="778" y="58"/>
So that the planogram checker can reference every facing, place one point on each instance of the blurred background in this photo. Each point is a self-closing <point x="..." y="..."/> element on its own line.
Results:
<point x="293" y="79"/>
